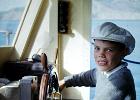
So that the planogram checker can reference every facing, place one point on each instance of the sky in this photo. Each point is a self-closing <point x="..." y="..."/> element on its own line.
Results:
<point x="9" y="4"/>
<point x="116" y="9"/>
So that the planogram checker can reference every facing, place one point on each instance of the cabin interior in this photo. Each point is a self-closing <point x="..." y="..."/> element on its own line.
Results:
<point x="59" y="29"/>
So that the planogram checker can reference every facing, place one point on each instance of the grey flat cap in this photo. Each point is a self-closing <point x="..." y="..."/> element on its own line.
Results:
<point x="111" y="32"/>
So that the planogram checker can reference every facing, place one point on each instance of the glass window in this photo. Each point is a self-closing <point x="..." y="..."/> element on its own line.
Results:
<point x="11" y="12"/>
<point x="126" y="14"/>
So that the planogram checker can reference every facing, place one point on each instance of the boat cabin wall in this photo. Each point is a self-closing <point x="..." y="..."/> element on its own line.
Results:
<point x="41" y="34"/>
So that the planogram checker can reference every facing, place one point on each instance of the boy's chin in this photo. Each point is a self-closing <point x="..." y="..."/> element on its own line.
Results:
<point x="103" y="68"/>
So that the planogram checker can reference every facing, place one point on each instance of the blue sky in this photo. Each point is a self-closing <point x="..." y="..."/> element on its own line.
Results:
<point x="9" y="4"/>
<point x="116" y="9"/>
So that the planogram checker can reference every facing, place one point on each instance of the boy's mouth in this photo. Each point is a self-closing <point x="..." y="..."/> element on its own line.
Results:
<point x="102" y="63"/>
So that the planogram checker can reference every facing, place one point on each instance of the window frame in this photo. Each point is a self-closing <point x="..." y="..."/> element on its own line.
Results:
<point x="24" y="30"/>
<point x="26" y="26"/>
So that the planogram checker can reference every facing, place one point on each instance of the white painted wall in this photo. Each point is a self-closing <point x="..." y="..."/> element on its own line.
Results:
<point x="75" y="50"/>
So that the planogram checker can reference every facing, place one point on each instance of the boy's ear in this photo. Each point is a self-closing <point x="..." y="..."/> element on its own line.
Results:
<point x="125" y="51"/>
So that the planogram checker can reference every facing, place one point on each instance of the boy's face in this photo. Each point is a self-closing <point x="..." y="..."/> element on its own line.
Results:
<point x="107" y="55"/>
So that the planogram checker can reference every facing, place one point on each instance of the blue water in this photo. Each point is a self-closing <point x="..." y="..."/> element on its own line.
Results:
<point x="133" y="27"/>
<point x="10" y="26"/>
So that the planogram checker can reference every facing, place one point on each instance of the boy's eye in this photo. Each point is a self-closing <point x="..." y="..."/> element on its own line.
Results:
<point x="109" y="49"/>
<point x="96" y="48"/>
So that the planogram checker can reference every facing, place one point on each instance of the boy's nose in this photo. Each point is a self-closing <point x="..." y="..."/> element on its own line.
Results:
<point x="101" y="53"/>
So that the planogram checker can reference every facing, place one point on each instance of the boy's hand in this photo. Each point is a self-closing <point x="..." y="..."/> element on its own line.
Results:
<point x="61" y="85"/>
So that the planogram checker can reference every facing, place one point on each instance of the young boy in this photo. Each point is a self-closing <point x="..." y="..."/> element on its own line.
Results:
<point x="112" y="79"/>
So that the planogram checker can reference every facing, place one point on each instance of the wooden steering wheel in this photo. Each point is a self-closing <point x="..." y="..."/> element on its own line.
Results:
<point x="44" y="79"/>
<point x="49" y="80"/>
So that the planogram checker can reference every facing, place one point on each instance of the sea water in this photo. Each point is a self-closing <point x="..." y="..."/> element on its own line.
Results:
<point x="9" y="26"/>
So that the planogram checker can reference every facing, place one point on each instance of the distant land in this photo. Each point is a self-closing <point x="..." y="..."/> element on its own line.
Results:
<point x="12" y="14"/>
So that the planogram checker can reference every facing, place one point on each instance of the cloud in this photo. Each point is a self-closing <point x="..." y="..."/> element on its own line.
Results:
<point x="116" y="9"/>
<point x="6" y="5"/>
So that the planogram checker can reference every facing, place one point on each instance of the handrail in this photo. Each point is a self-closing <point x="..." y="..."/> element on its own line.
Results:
<point x="131" y="61"/>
